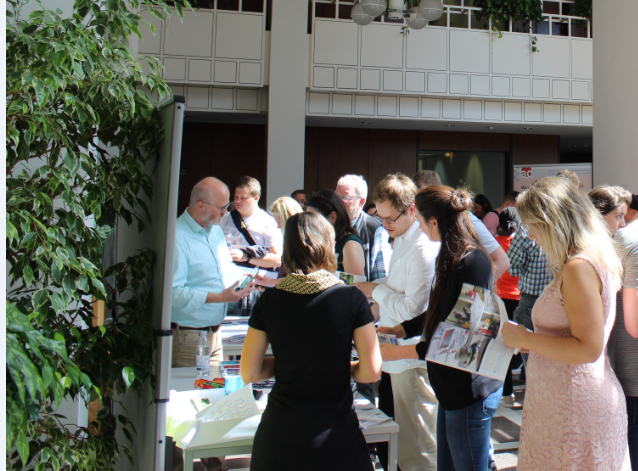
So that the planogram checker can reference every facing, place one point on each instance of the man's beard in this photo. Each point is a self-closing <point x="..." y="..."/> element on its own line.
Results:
<point x="353" y="213"/>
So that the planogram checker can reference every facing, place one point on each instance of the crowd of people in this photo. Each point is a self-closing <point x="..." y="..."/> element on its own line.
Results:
<point x="564" y="262"/>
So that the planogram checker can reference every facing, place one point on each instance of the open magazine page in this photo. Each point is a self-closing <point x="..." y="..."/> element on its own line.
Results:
<point x="349" y="278"/>
<point x="470" y="339"/>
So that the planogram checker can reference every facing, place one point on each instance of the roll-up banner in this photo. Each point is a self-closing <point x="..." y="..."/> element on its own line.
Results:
<point x="525" y="175"/>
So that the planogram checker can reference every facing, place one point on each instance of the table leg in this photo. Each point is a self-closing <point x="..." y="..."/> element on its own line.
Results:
<point x="188" y="460"/>
<point x="393" y="451"/>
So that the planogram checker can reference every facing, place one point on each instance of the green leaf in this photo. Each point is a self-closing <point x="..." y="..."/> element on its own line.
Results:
<point x="102" y="330"/>
<point x="27" y="274"/>
<point x="27" y="78"/>
<point x="83" y="283"/>
<point x="12" y="232"/>
<point x="66" y="382"/>
<point x="40" y="298"/>
<point x="22" y="445"/>
<point x="62" y="253"/>
<point x="129" y="376"/>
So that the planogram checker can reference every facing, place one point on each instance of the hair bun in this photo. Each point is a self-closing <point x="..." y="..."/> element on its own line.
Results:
<point x="460" y="200"/>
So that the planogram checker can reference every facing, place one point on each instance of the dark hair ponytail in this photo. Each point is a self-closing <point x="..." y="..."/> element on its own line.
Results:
<point x="450" y="209"/>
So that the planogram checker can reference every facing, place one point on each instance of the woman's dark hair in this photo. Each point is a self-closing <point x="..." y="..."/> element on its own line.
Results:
<point x="308" y="244"/>
<point x="484" y="203"/>
<point x="449" y="207"/>
<point x="327" y="201"/>
<point x="509" y="221"/>
<point x="369" y="205"/>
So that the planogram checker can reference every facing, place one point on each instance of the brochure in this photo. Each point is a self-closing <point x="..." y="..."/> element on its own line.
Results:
<point x="470" y="339"/>
<point x="349" y="278"/>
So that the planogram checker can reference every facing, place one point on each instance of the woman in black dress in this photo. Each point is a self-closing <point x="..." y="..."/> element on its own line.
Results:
<point x="467" y="401"/>
<point x="310" y="320"/>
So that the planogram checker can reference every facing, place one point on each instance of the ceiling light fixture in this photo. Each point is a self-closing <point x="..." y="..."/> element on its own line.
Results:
<point x="417" y="13"/>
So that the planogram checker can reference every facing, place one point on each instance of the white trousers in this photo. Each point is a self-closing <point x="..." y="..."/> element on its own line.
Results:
<point x="415" y="410"/>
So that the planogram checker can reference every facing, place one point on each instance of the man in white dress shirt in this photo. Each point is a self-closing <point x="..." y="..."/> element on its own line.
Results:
<point x="405" y="392"/>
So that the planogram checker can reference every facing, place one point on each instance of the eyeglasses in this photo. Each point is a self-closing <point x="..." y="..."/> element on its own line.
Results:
<point x="391" y="220"/>
<point x="348" y="198"/>
<point x="220" y="208"/>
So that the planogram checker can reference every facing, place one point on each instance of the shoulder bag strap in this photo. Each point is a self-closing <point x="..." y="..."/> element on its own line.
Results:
<point x="241" y="226"/>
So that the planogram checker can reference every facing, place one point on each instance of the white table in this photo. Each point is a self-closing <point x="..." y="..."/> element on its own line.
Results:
<point x="182" y="379"/>
<point x="235" y="326"/>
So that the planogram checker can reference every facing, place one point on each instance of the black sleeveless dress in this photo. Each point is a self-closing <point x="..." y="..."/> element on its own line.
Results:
<point x="309" y="422"/>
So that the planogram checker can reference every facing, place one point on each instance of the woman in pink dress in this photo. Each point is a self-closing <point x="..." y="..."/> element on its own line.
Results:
<point x="575" y="413"/>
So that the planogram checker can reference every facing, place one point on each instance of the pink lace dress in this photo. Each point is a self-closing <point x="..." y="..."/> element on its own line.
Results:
<point x="575" y="416"/>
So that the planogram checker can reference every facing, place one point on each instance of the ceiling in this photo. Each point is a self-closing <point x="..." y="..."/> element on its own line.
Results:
<point x="572" y="138"/>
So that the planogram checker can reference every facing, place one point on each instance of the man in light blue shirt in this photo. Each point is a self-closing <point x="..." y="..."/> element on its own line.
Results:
<point x="204" y="275"/>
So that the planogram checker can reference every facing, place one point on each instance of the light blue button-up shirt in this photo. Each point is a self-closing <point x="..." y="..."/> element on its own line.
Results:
<point x="202" y="265"/>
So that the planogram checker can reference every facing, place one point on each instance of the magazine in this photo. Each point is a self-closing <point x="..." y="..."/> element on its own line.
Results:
<point x="470" y="339"/>
<point x="349" y="278"/>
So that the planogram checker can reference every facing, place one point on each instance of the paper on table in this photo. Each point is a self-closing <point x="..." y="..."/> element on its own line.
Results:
<point x="238" y="405"/>
<point x="209" y="433"/>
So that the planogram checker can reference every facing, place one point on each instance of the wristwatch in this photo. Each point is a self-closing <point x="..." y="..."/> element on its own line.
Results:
<point x="248" y="257"/>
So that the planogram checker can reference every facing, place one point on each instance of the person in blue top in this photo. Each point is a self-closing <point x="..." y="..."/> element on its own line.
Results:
<point x="204" y="275"/>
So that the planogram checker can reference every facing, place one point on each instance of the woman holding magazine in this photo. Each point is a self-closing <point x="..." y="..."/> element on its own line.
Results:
<point x="467" y="401"/>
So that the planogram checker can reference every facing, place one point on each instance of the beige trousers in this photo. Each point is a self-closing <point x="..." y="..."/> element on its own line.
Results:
<point x="184" y="355"/>
<point x="185" y="347"/>
<point x="415" y="410"/>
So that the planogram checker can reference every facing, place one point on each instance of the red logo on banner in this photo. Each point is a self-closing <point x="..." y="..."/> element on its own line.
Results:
<point x="526" y="172"/>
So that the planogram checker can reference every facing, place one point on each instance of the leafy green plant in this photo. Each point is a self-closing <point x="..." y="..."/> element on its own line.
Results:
<point x="74" y="95"/>
<point x="582" y="8"/>
<point x="503" y="11"/>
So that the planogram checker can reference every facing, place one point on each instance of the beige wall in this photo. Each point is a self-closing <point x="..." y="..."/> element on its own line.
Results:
<point x="616" y="110"/>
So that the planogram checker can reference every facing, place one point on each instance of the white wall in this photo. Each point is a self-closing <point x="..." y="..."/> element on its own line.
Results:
<point x="289" y="59"/>
<point x="615" y="113"/>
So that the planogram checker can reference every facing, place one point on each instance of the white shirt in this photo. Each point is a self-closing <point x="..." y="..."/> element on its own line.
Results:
<point x="405" y="292"/>
<point x="261" y="226"/>
<point x="484" y="235"/>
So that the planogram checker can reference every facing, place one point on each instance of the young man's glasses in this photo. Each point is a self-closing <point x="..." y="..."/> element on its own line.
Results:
<point x="220" y="208"/>
<point x="391" y="220"/>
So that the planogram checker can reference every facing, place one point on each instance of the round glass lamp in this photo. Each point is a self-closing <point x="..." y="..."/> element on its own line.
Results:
<point x="416" y="22"/>
<point x="359" y="16"/>
<point x="373" y="7"/>
<point x="430" y="10"/>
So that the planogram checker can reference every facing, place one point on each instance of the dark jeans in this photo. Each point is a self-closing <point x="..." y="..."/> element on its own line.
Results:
<point x="632" y="415"/>
<point x="463" y="435"/>
<point x="523" y="315"/>
<point x="508" y="387"/>
<point x="386" y="405"/>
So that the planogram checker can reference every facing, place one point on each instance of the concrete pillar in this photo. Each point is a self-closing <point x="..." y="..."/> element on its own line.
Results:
<point x="615" y="94"/>
<point x="289" y="59"/>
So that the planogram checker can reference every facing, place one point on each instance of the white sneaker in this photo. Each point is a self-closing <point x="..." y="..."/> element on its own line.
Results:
<point x="509" y="401"/>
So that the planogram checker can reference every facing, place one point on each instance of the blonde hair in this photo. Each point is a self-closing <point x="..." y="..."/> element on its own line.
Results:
<point x="285" y="207"/>
<point x="568" y="224"/>
<point x="571" y="176"/>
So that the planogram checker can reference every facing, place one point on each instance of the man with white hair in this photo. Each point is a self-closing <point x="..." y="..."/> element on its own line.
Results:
<point x="353" y="190"/>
